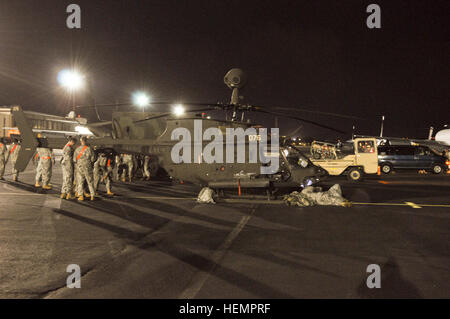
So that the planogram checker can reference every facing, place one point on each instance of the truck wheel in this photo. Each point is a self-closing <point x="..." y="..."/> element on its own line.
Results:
<point x="386" y="168"/>
<point x="355" y="174"/>
<point x="437" y="169"/>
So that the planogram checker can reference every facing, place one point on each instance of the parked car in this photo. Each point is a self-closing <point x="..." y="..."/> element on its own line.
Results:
<point x="410" y="157"/>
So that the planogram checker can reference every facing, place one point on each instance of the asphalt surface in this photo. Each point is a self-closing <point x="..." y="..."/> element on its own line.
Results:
<point x="154" y="241"/>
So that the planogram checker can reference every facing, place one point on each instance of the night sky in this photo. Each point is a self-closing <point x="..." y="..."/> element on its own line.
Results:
<point x="316" y="55"/>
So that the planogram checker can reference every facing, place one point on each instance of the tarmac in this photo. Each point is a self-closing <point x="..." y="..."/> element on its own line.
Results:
<point x="153" y="240"/>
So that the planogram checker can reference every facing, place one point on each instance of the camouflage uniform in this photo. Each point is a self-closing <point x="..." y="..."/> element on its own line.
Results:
<point x="67" y="169"/>
<point x="102" y="172"/>
<point x="84" y="157"/>
<point x="3" y="154"/>
<point x="36" y="159"/>
<point x="13" y="154"/>
<point x="128" y="160"/>
<point x="44" y="168"/>
<point x="116" y="171"/>
<point x="146" y="168"/>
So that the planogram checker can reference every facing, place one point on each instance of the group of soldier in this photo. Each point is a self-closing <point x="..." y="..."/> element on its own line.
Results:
<point x="82" y="169"/>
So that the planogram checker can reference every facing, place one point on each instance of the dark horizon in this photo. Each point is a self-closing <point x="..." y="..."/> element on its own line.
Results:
<point x="317" y="55"/>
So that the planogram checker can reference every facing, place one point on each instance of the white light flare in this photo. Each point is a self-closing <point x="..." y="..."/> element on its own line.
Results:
<point x="141" y="99"/>
<point x="83" y="130"/>
<point x="178" y="110"/>
<point x="71" y="79"/>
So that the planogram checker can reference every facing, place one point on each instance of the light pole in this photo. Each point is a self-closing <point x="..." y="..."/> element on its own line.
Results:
<point x="178" y="110"/>
<point x="72" y="81"/>
<point x="382" y="123"/>
<point x="141" y="99"/>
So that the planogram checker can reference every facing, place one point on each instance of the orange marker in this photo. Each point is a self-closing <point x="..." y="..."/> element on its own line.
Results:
<point x="239" y="188"/>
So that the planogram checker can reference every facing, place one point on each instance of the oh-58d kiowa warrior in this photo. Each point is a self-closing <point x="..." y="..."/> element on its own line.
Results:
<point x="187" y="147"/>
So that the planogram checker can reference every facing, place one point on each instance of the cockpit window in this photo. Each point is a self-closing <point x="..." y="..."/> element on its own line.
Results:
<point x="366" y="147"/>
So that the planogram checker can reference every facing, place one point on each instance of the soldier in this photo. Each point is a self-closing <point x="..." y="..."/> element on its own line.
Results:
<point x="44" y="168"/>
<point x="146" y="168"/>
<point x="13" y="154"/>
<point x="67" y="169"/>
<point x="84" y="157"/>
<point x="3" y="154"/>
<point x="117" y="171"/>
<point x="128" y="160"/>
<point x="102" y="173"/>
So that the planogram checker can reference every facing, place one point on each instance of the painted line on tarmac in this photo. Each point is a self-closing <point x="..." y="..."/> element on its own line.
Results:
<point x="279" y="202"/>
<point x="201" y="277"/>
<point x="412" y="205"/>
<point x="403" y="204"/>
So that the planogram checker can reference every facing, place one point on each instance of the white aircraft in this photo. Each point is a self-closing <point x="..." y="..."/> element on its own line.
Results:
<point x="443" y="137"/>
<point x="439" y="143"/>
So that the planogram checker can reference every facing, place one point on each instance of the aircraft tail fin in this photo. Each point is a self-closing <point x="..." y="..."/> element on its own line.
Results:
<point x="29" y="141"/>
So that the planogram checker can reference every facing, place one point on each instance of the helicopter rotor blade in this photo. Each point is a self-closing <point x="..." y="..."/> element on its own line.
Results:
<point x="299" y="119"/>
<point x="167" y="114"/>
<point x="213" y="105"/>
<point x="295" y="131"/>
<point x="300" y="110"/>
<point x="98" y="124"/>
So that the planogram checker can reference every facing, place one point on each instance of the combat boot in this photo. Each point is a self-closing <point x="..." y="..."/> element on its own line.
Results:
<point x="46" y="187"/>
<point x="37" y="185"/>
<point x="81" y="198"/>
<point x="69" y="196"/>
<point x="87" y="194"/>
<point x="129" y="179"/>
<point x="92" y="197"/>
<point x="15" y="178"/>
<point x="63" y="195"/>
<point x="123" y="179"/>
<point x="109" y="193"/>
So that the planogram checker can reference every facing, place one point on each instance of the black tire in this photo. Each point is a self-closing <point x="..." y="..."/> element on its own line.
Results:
<point x="317" y="156"/>
<point x="437" y="169"/>
<point x="355" y="174"/>
<point x="386" y="168"/>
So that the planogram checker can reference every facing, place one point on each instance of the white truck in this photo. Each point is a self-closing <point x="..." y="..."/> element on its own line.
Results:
<point x="353" y="160"/>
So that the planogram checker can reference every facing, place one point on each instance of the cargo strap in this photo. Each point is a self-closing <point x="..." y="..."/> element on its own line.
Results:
<point x="12" y="150"/>
<point x="81" y="153"/>
<point x="37" y="155"/>
<point x="108" y="164"/>
<point x="46" y="157"/>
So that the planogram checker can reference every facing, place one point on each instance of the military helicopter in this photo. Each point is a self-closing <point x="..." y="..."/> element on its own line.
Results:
<point x="155" y="134"/>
